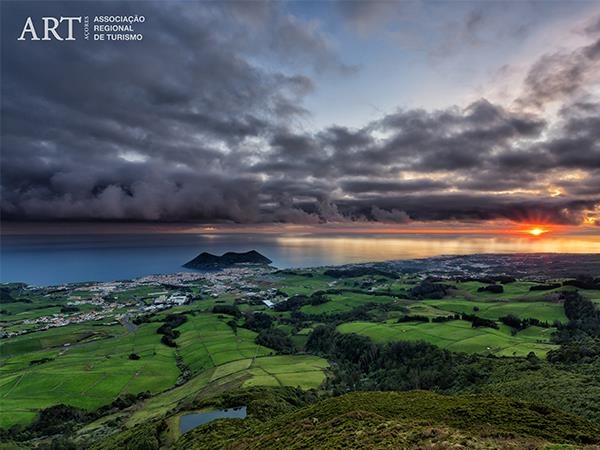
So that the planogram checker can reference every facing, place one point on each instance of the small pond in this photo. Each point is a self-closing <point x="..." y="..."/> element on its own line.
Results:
<point x="189" y="421"/>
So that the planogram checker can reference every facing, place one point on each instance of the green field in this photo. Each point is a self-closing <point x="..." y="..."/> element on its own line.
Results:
<point x="94" y="368"/>
<point x="514" y="290"/>
<point x="288" y="370"/>
<point x="207" y="341"/>
<point x="459" y="336"/>
<point x="295" y="284"/>
<point x="345" y="302"/>
<point x="55" y="337"/>
<point x="544" y="311"/>
<point x="222" y="359"/>
<point x="88" y="376"/>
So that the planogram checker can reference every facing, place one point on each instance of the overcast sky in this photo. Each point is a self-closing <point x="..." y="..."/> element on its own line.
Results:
<point x="306" y="113"/>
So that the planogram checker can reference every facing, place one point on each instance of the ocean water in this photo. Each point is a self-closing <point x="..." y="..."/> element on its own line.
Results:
<point x="56" y="259"/>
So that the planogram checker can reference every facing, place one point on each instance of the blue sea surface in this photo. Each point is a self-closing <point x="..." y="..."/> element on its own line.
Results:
<point x="56" y="259"/>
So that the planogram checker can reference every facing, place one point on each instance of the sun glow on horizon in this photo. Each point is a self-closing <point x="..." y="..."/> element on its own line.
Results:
<point x="537" y="231"/>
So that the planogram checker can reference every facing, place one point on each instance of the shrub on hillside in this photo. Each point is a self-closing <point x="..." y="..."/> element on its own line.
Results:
<point x="428" y="289"/>
<point x="232" y="310"/>
<point x="413" y="319"/>
<point x="493" y="288"/>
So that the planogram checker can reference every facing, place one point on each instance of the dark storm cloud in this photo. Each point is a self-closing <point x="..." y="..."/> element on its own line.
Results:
<point x="451" y="139"/>
<point x="203" y="121"/>
<point x="475" y="207"/>
<point x="131" y="130"/>
<point x="386" y="186"/>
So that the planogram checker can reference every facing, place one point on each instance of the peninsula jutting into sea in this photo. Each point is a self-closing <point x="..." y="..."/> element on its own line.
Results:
<point x="209" y="261"/>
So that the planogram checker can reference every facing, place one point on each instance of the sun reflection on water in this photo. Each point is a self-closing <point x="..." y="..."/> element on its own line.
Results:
<point x="344" y="249"/>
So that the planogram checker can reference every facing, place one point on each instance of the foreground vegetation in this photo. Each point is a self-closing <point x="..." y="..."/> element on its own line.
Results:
<point x="417" y="419"/>
<point x="494" y="347"/>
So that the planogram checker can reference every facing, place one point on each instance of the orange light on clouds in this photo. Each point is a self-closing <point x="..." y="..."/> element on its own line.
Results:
<point x="528" y="229"/>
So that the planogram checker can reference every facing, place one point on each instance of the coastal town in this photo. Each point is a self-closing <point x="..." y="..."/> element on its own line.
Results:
<point x="112" y="302"/>
<point x="115" y="301"/>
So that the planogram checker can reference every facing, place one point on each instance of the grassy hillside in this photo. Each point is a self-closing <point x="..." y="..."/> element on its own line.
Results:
<point x="86" y="375"/>
<point x="305" y="371"/>
<point x="93" y="372"/>
<point x="416" y="419"/>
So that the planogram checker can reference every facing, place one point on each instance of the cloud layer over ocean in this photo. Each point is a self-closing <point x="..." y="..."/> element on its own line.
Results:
<point x="209" y="118"/>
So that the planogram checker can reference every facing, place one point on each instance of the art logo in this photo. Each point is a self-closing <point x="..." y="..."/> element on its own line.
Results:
<point x="51" y="28"/>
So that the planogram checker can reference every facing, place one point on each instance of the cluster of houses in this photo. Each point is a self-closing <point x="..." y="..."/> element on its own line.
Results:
<point x="164" y="302"/>
<point x="104" y="294"/>
<point x="59" y="320"/>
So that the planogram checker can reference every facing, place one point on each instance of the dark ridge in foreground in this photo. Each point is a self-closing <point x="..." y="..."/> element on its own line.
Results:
<point x="281" y="418"/>
<point x="418" y="419"/>
<point x="209" y="261"/>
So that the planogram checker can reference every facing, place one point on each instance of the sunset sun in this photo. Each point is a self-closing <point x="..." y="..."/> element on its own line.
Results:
<point x="537" y="231"/>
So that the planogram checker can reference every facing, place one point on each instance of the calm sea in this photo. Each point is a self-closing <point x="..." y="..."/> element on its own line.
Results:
<point x="57" y="259"/>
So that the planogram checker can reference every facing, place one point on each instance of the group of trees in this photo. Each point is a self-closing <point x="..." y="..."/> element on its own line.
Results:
<point x="37" y="362"/>
<point x="520" y="324"/>
<point x="359" y="313"/>
<point x="262" y="323"/>
<point x="490" y="279"/>
<point x="276" y="339"/>
<point x="579" y="339"/>
<point x="584" y="349"/>
<point x="167" y="329"/>
<point x="584" y="318"/>
<point x="415" y="318"/>
<point x="477" y="322"/>
<point x="231" y="310"/>
<point x="298" y="301"/>
<point x="440" y="319"/>
<point x="428" y="288"/>
<point x="61" y="420"/>
<point x="493" y="288"/>
<point x="361" y="364"/>
<point x="258" y="321"/>
<point x="294" y="273"/>
<point x="584" y="282"/>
